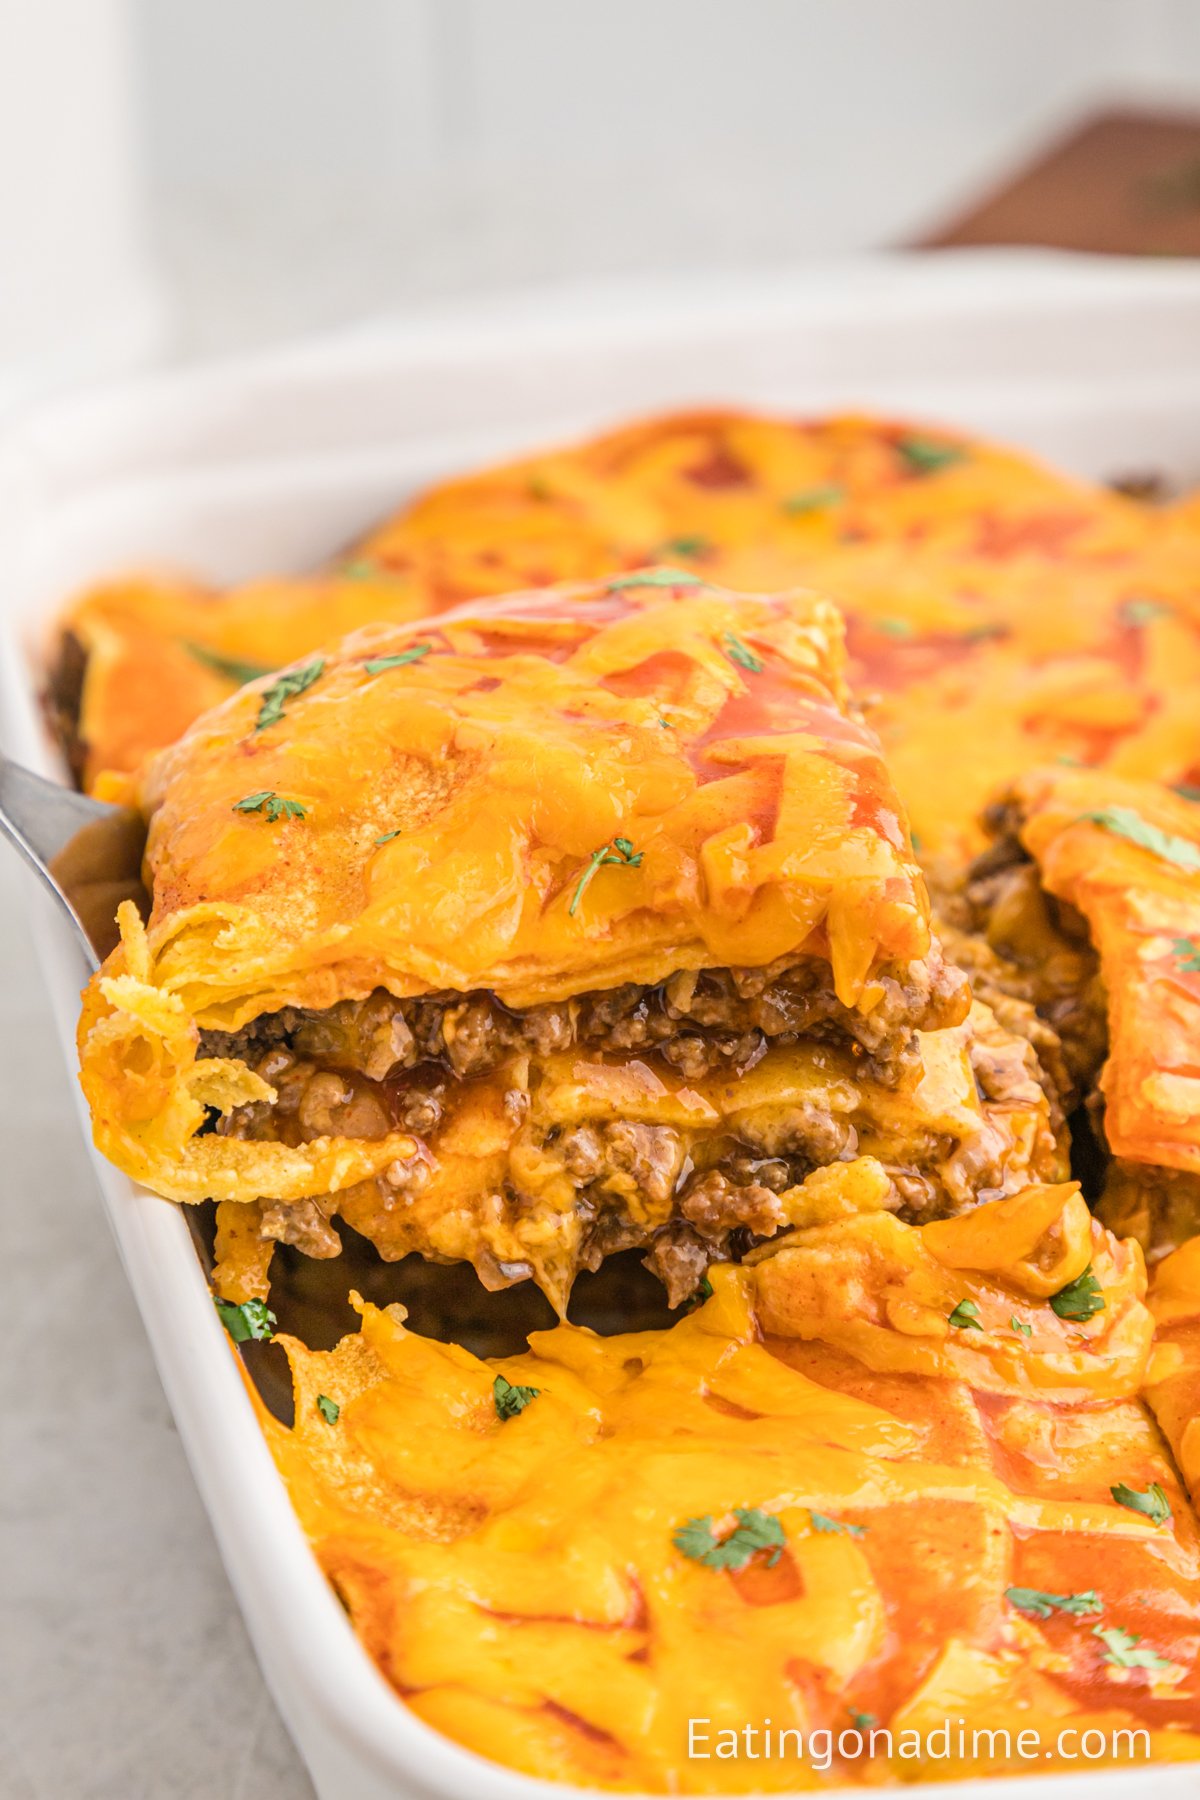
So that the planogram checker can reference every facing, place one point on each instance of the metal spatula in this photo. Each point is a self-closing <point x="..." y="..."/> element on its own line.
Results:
<point x="88" y="853"/>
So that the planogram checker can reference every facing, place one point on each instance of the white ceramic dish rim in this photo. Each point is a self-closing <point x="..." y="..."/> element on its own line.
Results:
<point x="241" y="437"/>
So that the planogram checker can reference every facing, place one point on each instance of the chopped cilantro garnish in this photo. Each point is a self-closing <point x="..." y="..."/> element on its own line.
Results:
<point x="328" y="1409"/>
<point x="230" y="667"/>
<point x="378" y="664"/>
<point x="1186" y="791"/>
<point x="896" y="628"/>
<point x="284" y="689"/>
<point x="823" y="1523"/>
<point x="1041" y="1605"/>
<point x="1140" y="612"/>
<point x="618" y="850"/>
<point x="249" y="1320"/>
<point x="509" y="1399"/>
<point x="687" y="546"/>
<point x="361" y="570"/>
<point x="925" y="456"/>
<point x="273" y="805"/>
<point x="1186" y="951"/>
<point x="1119" y="1649"/>
<point x="756" y="1530"/>
<point x="1153" y="1503"/>
<point x="813" y="499"/>
<point x="1081" y="1299"/>
<point x="1124" y="822"/>
<point x="862" y="1721"/>
<point x="1020" y="1325"/>
<point x="656" y="578"/>
<point x="741" y="653"/>
<point x="966" y="1316"/>
<point x="389" y="835"/>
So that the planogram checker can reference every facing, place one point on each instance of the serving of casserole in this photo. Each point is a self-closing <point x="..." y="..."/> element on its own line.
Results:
<point x="671" y="996"/>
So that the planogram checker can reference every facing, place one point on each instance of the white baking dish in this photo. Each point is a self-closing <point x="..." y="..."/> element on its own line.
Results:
<point x="271" y="462"/>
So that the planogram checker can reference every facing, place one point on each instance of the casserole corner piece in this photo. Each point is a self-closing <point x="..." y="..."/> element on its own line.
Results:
<point x="408" y="888"/>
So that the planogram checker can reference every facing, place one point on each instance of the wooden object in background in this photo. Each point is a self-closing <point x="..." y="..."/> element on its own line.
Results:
<point x="1125" y="183"/>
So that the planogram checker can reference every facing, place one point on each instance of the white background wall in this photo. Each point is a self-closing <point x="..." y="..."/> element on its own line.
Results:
<point x="321" y="157"/>
<point x="291" y="163"/>
<point x="74" y="285"/>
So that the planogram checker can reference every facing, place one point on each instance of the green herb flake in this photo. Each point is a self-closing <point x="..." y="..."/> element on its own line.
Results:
<point x="702" y="1293"/>
<point x="1153" y="1503"/>
<point x="285" y="688"/>
<point x="739" y="652"/>
<point x="688" y="546"/>
<point x="272" y="805"/>
<point x="362" y="570"/>
<point x="756" y="1530"/>
<point x="328" y="1409"/>
<point x="1120" y="1652"/>
<point x="926" y="456"/>
<point x="1186" y="951"/>
<point x="617" y="851"/>
<point x="389" y="835"/>
<point x="655" y="578"/>
<point x="249" y="1320"/>
<point x="378" y="664"/>
<point x="823" y="1523"/>
<point x="1042" y="1605"/>
<point x="1019" y="1325"/>
<point x="862" y="1721"/>
<point x="894" y="628"/>
<point x="965" y="1316"/>
<point x="228" y="667"/>
<point x="1081" y="1299"/>
<point x="813" y="499"/>
<point x="509" y="1399"/>
<point x="1185" y="791"/>
<point x="1141" y="612"/>
<point x="1122" y="821"/>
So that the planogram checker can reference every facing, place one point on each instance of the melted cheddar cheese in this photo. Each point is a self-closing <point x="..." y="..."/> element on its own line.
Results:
<point x="1174" y="1390"/>
<point x="1127" y="856"/>
<point x="990" y="601"/>
<point x="520" y="1581"/>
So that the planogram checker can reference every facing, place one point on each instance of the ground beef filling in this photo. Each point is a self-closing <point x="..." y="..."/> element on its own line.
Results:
<point x="698" y="1023"/>
<point x="1159" y="1207"/>
<point x="687" y="1197"/>
<point x="1028" y="956"/>
<point x="634" y="1185"/>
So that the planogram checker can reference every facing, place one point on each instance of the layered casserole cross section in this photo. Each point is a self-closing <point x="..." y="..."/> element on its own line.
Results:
<point x="579" y="921"/>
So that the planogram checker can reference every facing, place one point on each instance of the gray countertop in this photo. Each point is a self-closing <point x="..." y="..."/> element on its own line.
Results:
<point x="124" y="1665"/>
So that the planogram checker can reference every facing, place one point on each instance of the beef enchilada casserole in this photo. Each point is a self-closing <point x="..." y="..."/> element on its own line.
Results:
<point x="586" y="920"/>
<point x="761" y="854"/>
